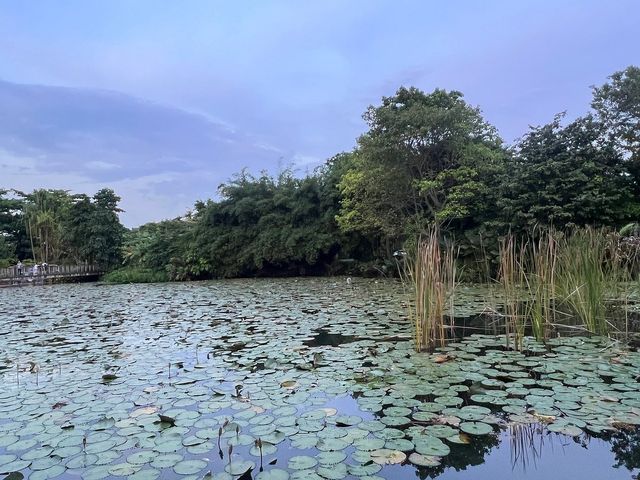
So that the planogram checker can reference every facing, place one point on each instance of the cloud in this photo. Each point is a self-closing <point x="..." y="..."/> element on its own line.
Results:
<point x="160" y="159"/>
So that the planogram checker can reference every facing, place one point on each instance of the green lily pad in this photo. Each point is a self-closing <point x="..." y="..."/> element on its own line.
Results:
<point x="385" y="456"/>
<point x="424" y="460"/>
<point x="476" y="428"/>
<point x="301" y="462"/>
<point x="238" y="467"/>
<point x="273" y="474"/>
<point x="189" y="467"/>
<point x="565" y="429"/>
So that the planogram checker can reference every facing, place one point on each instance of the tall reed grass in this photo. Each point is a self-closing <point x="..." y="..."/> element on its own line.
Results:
<point x="589" y="272"/>
<point x="511" y="279"/>
<point x="541" y="284"/>
<point x="431" y="272"/>
<point x="549" y="283"/>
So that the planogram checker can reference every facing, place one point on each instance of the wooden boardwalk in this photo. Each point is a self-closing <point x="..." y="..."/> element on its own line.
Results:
<point x="15" y="277"/>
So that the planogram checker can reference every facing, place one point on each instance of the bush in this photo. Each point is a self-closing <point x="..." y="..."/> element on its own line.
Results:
<point x="135" y="275"/>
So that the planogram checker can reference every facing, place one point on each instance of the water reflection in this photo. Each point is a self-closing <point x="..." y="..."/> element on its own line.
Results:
<point x="527" y="444"/>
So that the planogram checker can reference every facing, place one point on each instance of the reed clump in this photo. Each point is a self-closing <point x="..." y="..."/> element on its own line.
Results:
<point x="511" y="277"/>
<point x="549" y="283"/>
<point x="589" y="271"/>
<point x="527" y="278"/>
<point x="431" y="272"/>
<point x="552" y="281"/>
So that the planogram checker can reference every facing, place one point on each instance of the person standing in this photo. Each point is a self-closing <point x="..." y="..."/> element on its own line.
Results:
<point x="19" y="268"/>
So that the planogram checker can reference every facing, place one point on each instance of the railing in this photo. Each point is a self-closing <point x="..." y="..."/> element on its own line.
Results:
<point x="49" y="271"/>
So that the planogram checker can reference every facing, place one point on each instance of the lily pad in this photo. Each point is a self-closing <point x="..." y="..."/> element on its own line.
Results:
<point x="301" y="462"/>
<point x="189" y="467"/>
<point x="385" y="456"/>
<point x="476" y="428"/>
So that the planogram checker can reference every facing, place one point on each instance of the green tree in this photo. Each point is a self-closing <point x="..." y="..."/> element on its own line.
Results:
<point x="264" y="225"/>
<point x="104" y="244"/>
<point x="617" y="106"/>
<point x="155" y="246"/>
<point x="44" y="216"/>
<point x="426" y="157"/>
<point x="77" y="228"/>
<point x="565" y="176"/>
<point x="13" y="235"/>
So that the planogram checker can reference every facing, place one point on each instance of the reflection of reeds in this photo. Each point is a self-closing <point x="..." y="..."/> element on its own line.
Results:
<point x="431" y="271"/>
<point x="524" y="450"/>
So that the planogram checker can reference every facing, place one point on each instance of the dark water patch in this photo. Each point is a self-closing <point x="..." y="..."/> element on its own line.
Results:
<point x="325" y="338"/>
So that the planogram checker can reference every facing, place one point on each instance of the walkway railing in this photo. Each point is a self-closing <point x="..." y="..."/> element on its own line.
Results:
<point x="49" y="271"/>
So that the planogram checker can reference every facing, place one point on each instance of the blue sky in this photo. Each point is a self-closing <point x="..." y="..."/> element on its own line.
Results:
<point x="165" y="100"/>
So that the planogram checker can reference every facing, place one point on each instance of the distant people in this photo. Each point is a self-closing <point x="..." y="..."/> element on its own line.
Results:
<point x="19" y="268"/>
<point x="36" y="268"/>
<point x="45" y="268"/>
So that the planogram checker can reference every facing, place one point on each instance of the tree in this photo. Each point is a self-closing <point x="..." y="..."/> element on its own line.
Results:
<point x="77" y="228"/>
<point x="617" y="106"/>
<point x="13" y="235"/>
<point x="43" y="216"/>
<point x="262" y="226"/>
<point x="425" y="158"/>
<point x="155" y="246"/>
<point x="104" y="244"/>
<point x="565" y="176"/>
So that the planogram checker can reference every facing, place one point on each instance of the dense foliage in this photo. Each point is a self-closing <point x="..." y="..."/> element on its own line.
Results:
<point x="54" y="226"/>
<point x="426" y="158"/>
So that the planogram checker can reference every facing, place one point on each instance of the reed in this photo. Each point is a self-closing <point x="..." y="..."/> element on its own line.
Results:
<point x="584" y="276"/>
<point x="540" y="284"/>
<point x="431" y="273"/>
<point x="511" y="277"/>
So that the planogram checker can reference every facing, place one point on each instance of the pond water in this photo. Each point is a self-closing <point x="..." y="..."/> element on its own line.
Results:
<point x="181" y="380"/>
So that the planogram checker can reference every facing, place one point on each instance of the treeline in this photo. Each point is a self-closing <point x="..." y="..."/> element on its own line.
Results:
<point x="54" y="226"/>
<point x="425" y="158"/>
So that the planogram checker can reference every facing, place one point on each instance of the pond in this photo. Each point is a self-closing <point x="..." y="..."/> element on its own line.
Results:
<point x="296" y="379"/>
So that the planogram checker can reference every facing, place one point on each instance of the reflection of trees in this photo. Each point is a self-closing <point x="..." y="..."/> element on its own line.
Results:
<point x="462" y="456"/>
<point x="625" y="445"/>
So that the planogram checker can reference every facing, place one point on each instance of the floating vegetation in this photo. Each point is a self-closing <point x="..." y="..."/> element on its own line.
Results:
<point x="251" y="396"/>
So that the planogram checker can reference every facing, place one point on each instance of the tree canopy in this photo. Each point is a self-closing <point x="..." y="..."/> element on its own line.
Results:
<point x="54" y="226"/>
<point x="426" y="157"/>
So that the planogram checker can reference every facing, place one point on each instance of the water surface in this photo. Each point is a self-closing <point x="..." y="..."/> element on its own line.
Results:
<point x="315" y="368"/>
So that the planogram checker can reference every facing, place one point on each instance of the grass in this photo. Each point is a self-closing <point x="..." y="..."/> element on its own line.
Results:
<point x="512" y="278"/>
<point x="431" y="272"/>
<point x="550" y="283"/>
<point x="586" y="272"/>
<point x="135" y="275"/>
<point x="541" y="284"/>
<point x="560" y="281"/>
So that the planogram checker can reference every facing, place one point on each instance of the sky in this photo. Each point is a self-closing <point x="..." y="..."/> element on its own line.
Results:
<point x="163" y="101"/>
